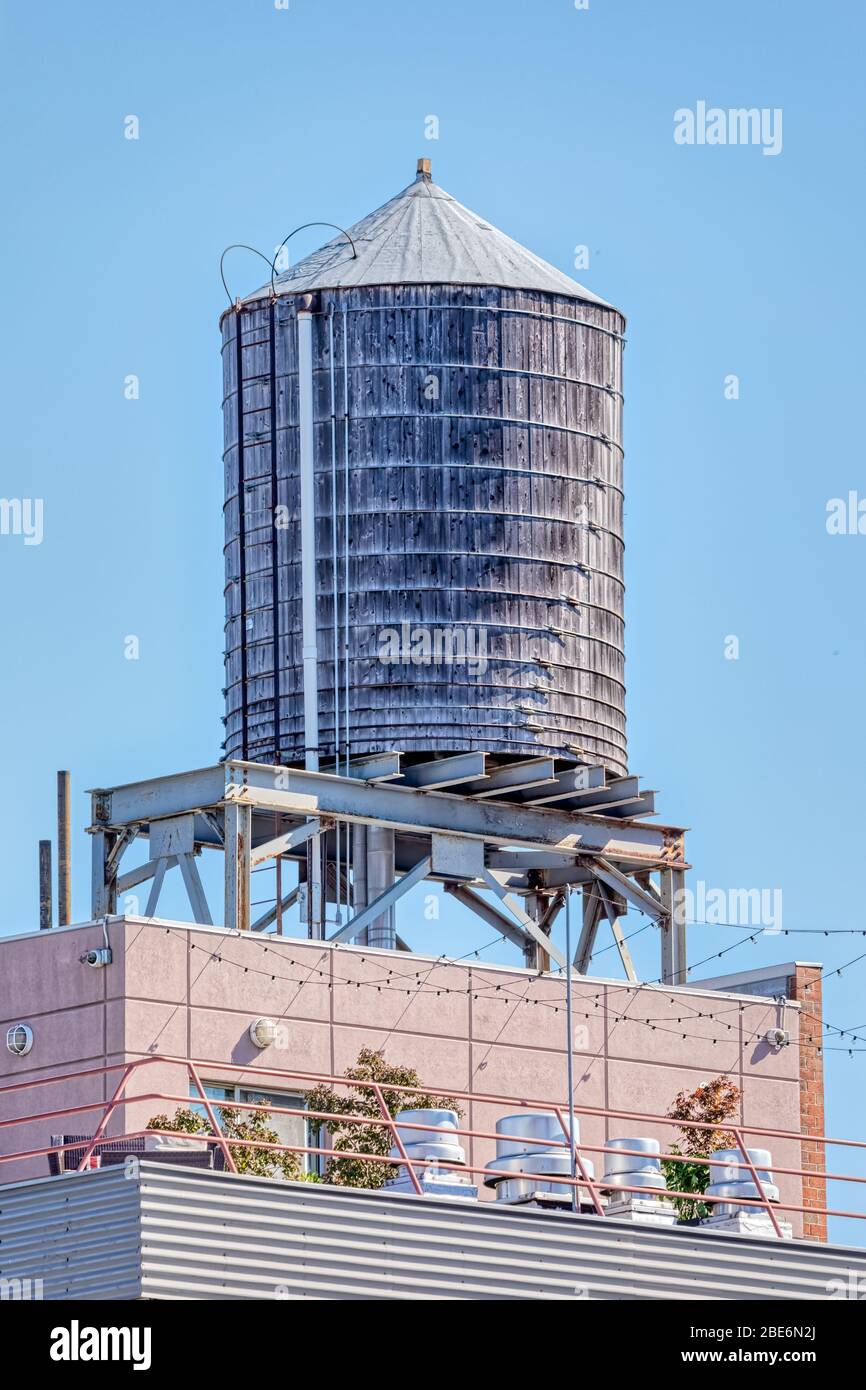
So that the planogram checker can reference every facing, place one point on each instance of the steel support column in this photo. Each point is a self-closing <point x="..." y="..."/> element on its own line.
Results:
<point x="238" y="833"/>
<point x="103" y="889"/>
<point x="674" y="969"/>
<point x="589" y="928"/>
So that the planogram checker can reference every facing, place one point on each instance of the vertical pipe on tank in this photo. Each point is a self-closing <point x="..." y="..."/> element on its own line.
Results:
<point x="45" y="913"/>
<point x="569" y="1028"/>
<point x="64" y="881"/>
<point x="359" y="865"/>
<point x="351" y="831"/>
<point x="275" y="532"/>
<point x="346" y="532"/>
<point x="315" y="903"/>
<point x="278" y="866"/>
<point x="308" y="538"/>
<point x="242" y="535"/>
<point x="359" y="874"/>
<point x="335" y="573"/>
<point x="380" y="876"/>
<point x="335" y="577"/>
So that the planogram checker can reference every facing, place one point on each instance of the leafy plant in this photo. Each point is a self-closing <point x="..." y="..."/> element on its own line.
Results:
<point x="711" y="1104"/>
<point x="252" y="1125"/>
<point x="369" y="1139"/>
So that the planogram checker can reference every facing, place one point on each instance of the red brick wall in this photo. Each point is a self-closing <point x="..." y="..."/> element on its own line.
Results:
<point x="806" y="987"/>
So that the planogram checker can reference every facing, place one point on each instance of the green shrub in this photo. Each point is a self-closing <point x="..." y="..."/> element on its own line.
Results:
<point x="371" y="1139"/>
<point x="711" y="1104"/>
<point x="250" y="1124"/>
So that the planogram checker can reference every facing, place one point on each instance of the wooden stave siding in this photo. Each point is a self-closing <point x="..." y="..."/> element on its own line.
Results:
<point x="410" y="513"/>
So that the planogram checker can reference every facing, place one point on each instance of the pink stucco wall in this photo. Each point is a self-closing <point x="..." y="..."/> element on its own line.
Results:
<point x="192" y="992"/>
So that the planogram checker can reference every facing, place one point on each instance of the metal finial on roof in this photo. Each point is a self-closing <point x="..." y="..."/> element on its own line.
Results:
<point x="423" y="170"/>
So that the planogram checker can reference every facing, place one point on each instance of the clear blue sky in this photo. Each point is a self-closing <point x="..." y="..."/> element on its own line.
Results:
<point x="557" y="125"/>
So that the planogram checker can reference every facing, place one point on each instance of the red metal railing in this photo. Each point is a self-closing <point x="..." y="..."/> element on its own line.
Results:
<point x="121" y="1097"/>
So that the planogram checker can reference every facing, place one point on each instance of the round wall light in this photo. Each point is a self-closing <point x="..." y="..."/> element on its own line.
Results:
<point x="19" y="1039"/>
<point x="263" y="1031"/>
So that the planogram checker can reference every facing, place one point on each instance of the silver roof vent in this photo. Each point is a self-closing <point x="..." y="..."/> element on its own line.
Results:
<point x="515" y="1155"/>
<point x="734" y="1182"/>
<point x="633" y="1162"/>
<point x="432" y="1146"/>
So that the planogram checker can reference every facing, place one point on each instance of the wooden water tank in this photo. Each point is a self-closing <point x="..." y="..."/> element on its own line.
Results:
<point x="472" y="549"/>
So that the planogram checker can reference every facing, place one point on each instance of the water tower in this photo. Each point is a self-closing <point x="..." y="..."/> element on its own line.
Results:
<point x="424" y="549"/>
<point x="465" y="502"/>
<point x="424" y="605"/>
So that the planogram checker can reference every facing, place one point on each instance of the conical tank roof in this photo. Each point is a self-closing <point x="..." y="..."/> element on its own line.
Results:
<point x="423" y="236"/>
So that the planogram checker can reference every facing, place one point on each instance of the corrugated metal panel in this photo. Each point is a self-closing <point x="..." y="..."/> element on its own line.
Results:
<point x="206" y="1235"/>
<point x="218" y="1238"/>
<point x="79" y="1234"/>
<point x="423" y="236"/>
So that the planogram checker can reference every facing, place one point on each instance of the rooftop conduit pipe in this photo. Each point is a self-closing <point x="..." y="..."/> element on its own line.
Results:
<point x="380" y="877"/>
<point x="64" y="851"/>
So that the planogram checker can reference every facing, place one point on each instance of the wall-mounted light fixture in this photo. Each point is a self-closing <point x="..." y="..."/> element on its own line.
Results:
<point x="19" y="1039"/>
<point x="263" y="1031"/>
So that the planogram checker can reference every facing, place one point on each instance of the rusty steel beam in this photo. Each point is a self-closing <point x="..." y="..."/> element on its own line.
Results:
<point x="302" y="794"/>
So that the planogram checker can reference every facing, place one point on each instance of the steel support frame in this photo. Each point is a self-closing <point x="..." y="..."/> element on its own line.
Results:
<point x="301" y="794"/>
<point x="232" y="805"/>
<point x="613" y="913"/>
<point x="665" y="905"/>
<point x="531" y="930"/>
